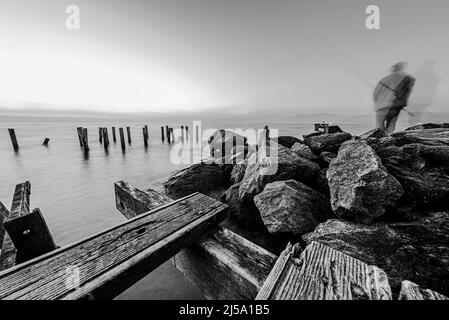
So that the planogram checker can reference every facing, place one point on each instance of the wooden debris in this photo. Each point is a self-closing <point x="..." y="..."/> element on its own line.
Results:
<point x="46" y="141"/>
<point x="12" y="135"/>
<point x="321" y="273"/>
<point x="105" y="264"/>
<point x="222" y="264"/>
<point x="27" y="230"/>
<point x="412" y="291"/>
<point x="4" y="213"/>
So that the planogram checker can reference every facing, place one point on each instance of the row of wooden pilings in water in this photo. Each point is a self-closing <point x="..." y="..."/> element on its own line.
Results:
<point x="103" y="136"/>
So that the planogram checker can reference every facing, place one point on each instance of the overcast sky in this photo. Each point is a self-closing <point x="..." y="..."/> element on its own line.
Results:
<point x="192" y="55"/>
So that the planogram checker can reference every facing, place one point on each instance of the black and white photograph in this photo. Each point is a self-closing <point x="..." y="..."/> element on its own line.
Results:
<point x="225" y="154"/>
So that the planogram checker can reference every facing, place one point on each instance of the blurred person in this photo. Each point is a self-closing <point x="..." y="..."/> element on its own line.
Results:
<point x="427" y="82"/>
<point x="391" y="96"/>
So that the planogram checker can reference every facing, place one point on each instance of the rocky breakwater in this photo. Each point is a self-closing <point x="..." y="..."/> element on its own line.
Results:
<point x="380" y="199"/>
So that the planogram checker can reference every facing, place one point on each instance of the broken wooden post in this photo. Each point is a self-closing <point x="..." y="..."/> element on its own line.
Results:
<point x="85" y="140"/>
<point x="122" y="139"/>
<point x="222" y="264"/>
<point x="111" y="261"/>
<point x="197" y="134"/>
<point x="172" y="135"/>
<point x="187" y="133"/>
<point x="13" y="137"/>
<point x="128" y="131"/>
<point x="4" y="214"/>
<point x="322" y="273"/>
<point x="79" y="130"/>
<point x="28" y="231"/>
<point x="223" y="146"/>
<point x="7" y="249"/>
<point x="46" y="141"/>
<point x="182" y="133"/>
<point x="167" y="131"/>
<point x="234" y="150"/>
<point x="245" y="147"/>
<point x="162" y="134"/>
<point x="114" y="137"/>
<point x="100" y="135"/>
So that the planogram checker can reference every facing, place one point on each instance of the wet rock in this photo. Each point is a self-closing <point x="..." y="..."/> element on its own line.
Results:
<point x="201" y="177"/>
<point x="291" y="207"/>
<point x="288" y="165"/>
<point x="327" y="142"/>
<point x="326" y="158"/>
<point x="361" y="188"/>
<point x="417" y="251"/>
<point x="303" y="151"/>
<point x="288" y="141"/>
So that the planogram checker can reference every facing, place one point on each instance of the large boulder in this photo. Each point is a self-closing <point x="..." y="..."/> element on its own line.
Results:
<point x="201" y="177"/>
<point x="417" y="251"/>
<point x="360" y="186"/>
<point x="288" y="141"/>
<point x="321" y="183"/>
<point x="238" y="172"/>
<point x="422" y="170"/>
<point x="326" y="142"/>
<point x="291" y="207"/>
<point x="303" y="151"/>
<point x="287" y="165"/>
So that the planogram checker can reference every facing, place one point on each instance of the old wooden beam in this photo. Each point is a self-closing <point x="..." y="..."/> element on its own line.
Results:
<point x="4" y="213"/>
<point x="27" y="230"/>
<point x="114" y="137"/>
<point x="162" y="134"/>
<point x="85" y="140"/>
<point x="79" y="130"/>
<point x="46" y="141"/>
<point x="412" y="291"/>
<point x="104" y="265"/>
<point x="122" y="139"/>
<point x="321" y="273"/>
<point x="128" y="131"/>
<point x="222" y="264"/>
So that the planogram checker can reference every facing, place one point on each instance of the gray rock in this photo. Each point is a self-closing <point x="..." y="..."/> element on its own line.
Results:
<point x="429" y="126"/>
<point x="303" y="151"/>
<point x="291" y="207"/>
<point x="200" y="177"/>
<point x="321" y="184"/>
<point x="374" y="133"/>
<point x="288" y="141"/>
<point x="327" y="142"/>
<point x="361" y="188"/>
<point x="288" y="166"/>
<point x="243" y="212"/>
<point x="326" y="158"/>
<point x="417" y="251"/>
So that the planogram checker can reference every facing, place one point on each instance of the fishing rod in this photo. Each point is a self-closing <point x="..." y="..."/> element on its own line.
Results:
<point x="361" y="72"/>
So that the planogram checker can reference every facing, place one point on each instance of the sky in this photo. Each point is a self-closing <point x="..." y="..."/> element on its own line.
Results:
<point x="283" y="56"/>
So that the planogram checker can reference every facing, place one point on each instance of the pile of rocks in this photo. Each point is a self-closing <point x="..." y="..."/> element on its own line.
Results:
<point x="381" y="199"/>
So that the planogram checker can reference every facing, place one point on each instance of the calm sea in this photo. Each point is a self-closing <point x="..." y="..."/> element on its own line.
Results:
<point x="76" y="194"/>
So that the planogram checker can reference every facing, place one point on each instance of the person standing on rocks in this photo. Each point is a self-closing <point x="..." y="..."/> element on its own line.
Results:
<point x="391" y="96"/>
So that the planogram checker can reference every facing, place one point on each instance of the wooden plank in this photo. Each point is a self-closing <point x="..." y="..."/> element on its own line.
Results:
<point x="412" y="291"/>
<point x="223" y="265"/>
<point x="21" y="200"/>
<point x="321" y="273"/>
<point x="107" y="263"/>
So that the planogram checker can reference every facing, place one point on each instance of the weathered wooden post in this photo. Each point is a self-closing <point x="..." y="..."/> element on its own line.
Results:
<point x="223" y="146"/>
<point x="187" y="133"/>
<point x="162" y="134"/>
<point x="12" y="134"/>
<point x="28" y="231"/>
<point x="105" y="138"/>
<point x="182" y="133"/>
<point x="79" y="130"/>
<point x="167" y="131"/>
<point x="245" y="147"/>
<point x="46" y="141"/>
<point x="145" y="139"/>
<point x="172" y="135"/>
<point x="100" y="134"/>
<point x="114" y="138"/>
<point x="267" y="141"/>
<point x="128" y="131"/>
<point x="122" y="139"/>
<point x="85" y="140"/>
